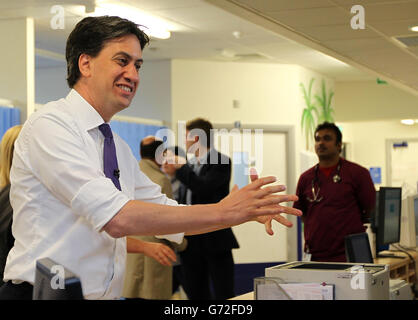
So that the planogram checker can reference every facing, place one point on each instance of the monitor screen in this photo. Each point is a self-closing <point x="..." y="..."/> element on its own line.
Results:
<point x="389" y="216"/>
<point x="357" y="248"/>
<point x="55" y="282"/>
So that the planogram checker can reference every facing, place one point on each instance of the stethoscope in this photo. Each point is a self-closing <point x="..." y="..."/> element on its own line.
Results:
<point x="315" y="195"/>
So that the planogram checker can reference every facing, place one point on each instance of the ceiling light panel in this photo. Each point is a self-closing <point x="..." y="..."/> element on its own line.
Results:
<point x="153" y="26"/>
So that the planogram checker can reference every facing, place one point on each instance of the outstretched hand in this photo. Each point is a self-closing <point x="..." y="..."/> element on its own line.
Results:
<point x="270" y="204"/>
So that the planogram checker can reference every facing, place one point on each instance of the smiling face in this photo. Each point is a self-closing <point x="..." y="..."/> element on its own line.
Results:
<point x="109" y="81"/>
<point x="326" y="146"/>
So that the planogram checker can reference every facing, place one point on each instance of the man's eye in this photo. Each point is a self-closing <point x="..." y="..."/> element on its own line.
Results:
<point x="137" y="67"/>
<point x="123" y="61"/>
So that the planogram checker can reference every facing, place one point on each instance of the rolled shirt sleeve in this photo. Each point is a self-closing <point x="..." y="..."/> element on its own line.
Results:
<point x="98" y="196"/>
<point x="146" y="190"/>
<point x="58" y="157"/>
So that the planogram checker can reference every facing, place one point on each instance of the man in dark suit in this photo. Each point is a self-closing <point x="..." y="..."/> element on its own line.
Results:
<point x="205" y="179"/>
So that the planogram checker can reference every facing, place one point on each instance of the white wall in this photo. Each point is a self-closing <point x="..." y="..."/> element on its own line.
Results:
<point x="369" y="113"/>
<point x="152" y="100"/>
<point x="50" y="84"/>
<point x="368" y="141"/>
<point x="17" y="63"/>
<point x="369" y="101"/>
<point x="267" y="93"/>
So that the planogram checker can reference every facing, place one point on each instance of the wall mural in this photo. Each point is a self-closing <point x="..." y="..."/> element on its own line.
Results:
<point x="318" y="110"/>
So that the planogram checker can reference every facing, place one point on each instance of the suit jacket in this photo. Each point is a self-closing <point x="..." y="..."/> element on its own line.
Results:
<point x="146" y="278"/>
<point x="6" y="237"/>
<point x="210" y="186"/>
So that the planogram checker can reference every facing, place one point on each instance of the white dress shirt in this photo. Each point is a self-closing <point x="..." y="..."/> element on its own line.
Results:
<point x="196" y="163"/>
<point x="61" y="198"/>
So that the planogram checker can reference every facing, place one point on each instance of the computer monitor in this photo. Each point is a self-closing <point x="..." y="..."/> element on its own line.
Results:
<point x="389" y="217"/>
<point x="55" y="282"/>
<point x="409" y="221"/>
<point x="357" y="248"/>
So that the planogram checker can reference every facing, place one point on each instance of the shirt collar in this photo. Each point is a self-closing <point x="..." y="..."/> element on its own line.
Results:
<point x="87" y="116"/>
<point x="203" y="156"/>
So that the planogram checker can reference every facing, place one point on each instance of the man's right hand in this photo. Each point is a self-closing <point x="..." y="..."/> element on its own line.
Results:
<point x="256" y="200"/>
<point x="247" y="204"/>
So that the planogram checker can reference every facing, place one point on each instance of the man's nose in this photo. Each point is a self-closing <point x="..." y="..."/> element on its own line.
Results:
<point x="131" y="74"/>
<point x="320" y="143"/>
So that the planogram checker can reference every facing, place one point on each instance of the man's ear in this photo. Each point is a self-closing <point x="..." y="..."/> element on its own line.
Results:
<point x="84" y="65"/>
<point x="340" y="146"/>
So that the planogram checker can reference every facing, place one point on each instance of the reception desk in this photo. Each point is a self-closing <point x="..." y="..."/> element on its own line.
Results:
<point x="403" y="269"/>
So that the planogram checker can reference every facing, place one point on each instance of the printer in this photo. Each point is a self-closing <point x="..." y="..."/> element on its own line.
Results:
<point x="352" y="281"/>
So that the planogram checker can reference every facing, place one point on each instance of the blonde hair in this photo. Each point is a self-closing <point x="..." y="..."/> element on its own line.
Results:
<point x="6" y="154"/>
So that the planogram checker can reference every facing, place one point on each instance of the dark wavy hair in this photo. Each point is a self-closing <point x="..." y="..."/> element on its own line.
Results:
<point x="89" y="37"/>
<point x="203" y="124"/>
<point x="331" y="126"/>
<point x="148" y="151"/>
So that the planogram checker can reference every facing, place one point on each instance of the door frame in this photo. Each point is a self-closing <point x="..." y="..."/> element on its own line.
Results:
<point x="389" y="144"/>
<point x="289" y="131"/>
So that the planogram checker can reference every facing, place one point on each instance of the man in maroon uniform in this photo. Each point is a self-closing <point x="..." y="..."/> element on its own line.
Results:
<point x="335" y="196"/>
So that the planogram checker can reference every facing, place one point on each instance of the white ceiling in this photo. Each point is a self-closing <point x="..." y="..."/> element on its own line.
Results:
<point x="325" y="25"/>
<point x="203" y="31"/>
<point x="304" y="32"/>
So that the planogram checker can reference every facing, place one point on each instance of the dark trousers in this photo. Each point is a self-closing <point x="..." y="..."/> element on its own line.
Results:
<point x="10" y="291"/>
<point x="177" y="278"/>
<point x="203" y="271"/>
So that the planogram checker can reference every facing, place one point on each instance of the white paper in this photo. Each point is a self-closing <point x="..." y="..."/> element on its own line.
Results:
<point x="309" y="291"/>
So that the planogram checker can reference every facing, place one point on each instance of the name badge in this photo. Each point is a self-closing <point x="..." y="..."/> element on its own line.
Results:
<point x="306" y="257"/>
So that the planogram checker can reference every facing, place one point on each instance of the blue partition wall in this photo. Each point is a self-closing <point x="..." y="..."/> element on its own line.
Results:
<point x="133" y="133"/>
<point x="9" y="117"/>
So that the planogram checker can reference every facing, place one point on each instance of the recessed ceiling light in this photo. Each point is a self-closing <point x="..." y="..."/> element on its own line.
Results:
<point x="408" y="122"/>
<point x="152" y="25"/>
<point x="236" y="34"/>
<point x="414" y="28"/>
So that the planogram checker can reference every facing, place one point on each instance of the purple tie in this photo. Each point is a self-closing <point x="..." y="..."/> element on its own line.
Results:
<point x="110" y="162"/>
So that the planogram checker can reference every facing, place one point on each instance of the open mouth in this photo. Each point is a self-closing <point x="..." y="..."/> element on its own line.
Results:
<point x="125" y="88"/>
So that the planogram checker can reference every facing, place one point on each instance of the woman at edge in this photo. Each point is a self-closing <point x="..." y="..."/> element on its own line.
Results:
<point x="6" y="211"/>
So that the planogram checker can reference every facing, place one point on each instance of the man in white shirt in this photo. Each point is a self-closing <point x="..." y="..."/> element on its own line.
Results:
<point x="65" y="208"/>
